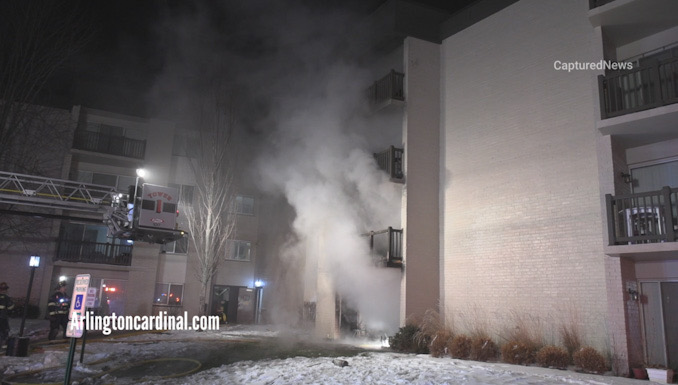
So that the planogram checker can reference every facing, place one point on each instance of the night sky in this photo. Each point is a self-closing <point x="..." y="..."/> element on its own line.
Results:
<point x="128" y="48"/>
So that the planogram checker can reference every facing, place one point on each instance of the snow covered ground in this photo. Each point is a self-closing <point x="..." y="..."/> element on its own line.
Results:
<point x="372" y="366"/>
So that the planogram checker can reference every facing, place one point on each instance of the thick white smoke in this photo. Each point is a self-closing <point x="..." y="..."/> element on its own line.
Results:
<point x="301" y="94"/>
<point x="322" y="162"/>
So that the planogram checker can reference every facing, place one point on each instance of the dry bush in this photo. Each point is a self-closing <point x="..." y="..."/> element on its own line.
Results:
<point x="483" y="348"/>
<point x="439" y="343"/>
<point x="569" y="330"/>
<point x="553" y="356"/>
<point x="524" y="339"/>
<point x="460" y="346"/>
<point x="474" y="320"/>
<point x="589" y="360"/>
<point x="432" y="331"/>
<point x="516" y="352"/>
<point x="527" y="329"/>
<point x="431" y="324"/>
<point x="571" y="337"/>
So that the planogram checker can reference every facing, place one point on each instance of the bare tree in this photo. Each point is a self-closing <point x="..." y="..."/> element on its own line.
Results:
<point x="37" y="38"/>
<point x="210" y="218"/>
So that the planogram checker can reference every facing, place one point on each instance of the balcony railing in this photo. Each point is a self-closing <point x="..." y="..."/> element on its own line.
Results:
<point x="109" y="144"/>
<point x="391" y="161"/>
<point x="387" y="247"/>
<point x="92" y="252"/>
<point x="647" y="86"/>
<point x="388" y="88"/>
<point x="648" y="217"/>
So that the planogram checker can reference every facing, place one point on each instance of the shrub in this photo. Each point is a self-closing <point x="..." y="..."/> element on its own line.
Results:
<point x="553" y="356"/>
<point x="408" y="340"/>
<point x="570" y="335"/>
<point x="516" y="352"/>
<point x="589" y="360"/>
<point x="483" y="348"/>
<point x="460" y="347"/>
<point x="432" y="330"/>
<point x="439" y="343"/>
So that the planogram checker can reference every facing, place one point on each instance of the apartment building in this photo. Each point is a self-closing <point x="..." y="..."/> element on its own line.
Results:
<point x="135" y="277"/>
<point x="534" y="192"/>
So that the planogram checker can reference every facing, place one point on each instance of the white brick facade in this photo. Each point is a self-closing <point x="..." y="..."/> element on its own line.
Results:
<point x="523" y="222"/>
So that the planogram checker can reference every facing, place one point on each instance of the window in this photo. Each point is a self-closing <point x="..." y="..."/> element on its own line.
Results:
<point x="244" y="205"/>
<point x="75" y="232"/>
<point x="120" y="182"/>
<point x="117" y="131"/>
<point x="654" y="177"/>
<point x="168" y="294"/>
<point x="158" y="206"/>
<point x="185" y="192"/>
<point x="239" y="251"/>
<point x="180" y="246"/>
<point x="184" y="145"/>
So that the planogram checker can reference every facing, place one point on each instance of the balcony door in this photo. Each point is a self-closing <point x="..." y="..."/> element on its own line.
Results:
<point x="654" y="177"/>
<point x="660" y="322"/>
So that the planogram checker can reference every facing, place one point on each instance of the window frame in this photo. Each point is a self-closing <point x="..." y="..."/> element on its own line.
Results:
<point x="168" y="293"/>
<point x="234" y="247"/>
<point x="238" y="207"/>
<point x="174" y="248"/>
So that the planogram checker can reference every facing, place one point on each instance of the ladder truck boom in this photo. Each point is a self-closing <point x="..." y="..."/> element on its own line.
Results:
<point x="127" y="215"/>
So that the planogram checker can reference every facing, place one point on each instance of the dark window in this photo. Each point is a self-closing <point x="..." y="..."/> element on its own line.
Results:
<point x="169" y="208"/>
<point x="180" y="246"/>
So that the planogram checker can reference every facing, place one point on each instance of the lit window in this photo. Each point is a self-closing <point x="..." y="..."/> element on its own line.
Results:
<point x="239" y="250"/>
<point x="168" y="294"/>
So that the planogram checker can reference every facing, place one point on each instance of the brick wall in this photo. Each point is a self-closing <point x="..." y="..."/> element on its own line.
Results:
<point x="523" y="221"/>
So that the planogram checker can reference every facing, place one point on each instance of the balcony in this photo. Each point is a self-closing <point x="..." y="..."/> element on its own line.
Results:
<point x="387" y="90"/>
<point x="649" y="86"/>
<point x="391" y="161"/>
<point x="92" y="252"/>
<point x="387" y="247"/>
<point x="649" y="217"/>
<point x="109" y="144"/>
<point x="627" y="21"/>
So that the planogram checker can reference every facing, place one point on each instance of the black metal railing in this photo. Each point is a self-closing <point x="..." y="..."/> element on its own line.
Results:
<point x="390" y="87"/>
<point x="647" y="217"/>
<point x="387" y="247"/>
<point x="648" y="86"/>
<point x="391" y="161"/>
<point x="598" y="3"/>
<point x="109" y="144"/>
<point x="93" y="252"/>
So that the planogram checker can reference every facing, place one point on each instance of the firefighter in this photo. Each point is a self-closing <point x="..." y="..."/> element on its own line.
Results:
<point x="6" y="305"/>
<point x="58" y="308"/>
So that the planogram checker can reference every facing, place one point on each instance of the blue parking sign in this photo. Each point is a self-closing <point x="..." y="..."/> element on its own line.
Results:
<point x="78" y="302"/>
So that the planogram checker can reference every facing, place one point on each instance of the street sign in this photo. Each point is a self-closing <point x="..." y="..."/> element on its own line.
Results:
<point x="91" y="297"/>
<point x="77" y="311"/>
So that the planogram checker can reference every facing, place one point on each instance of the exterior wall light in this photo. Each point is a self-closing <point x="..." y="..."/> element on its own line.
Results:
<point x="633" y="294"/>
<point x="626" y="177"/>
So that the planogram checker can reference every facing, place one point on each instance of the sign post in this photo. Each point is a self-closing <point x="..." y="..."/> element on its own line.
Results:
<point x="76" y="314"/>
<point x="89" y="303"/>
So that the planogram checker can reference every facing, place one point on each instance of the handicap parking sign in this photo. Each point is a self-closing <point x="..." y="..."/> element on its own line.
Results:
<point x="78" y="302"/>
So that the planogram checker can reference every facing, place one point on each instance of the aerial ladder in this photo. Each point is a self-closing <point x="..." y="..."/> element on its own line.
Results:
<point x="145" y="212"/>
